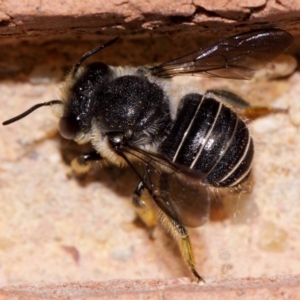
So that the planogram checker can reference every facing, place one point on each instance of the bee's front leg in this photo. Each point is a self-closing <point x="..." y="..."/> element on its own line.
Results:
<point x="144" y="208"/>
<point x="82" y="164"/>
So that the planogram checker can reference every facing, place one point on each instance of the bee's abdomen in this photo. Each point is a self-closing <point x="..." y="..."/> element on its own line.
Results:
<point x="210" y="138"/>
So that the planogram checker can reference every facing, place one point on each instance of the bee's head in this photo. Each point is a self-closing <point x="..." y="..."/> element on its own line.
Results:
<point x="77" y="111"/>
<point x="79" y="100"/>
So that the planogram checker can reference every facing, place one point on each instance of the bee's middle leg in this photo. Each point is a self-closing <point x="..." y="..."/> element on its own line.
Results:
<point x="142" y="203"/>
<point x="181" y="234"/>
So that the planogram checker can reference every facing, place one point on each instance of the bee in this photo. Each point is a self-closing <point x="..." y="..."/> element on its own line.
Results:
<point x="180" y="144"/>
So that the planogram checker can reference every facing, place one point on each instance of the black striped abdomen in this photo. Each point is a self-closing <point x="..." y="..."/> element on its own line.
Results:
<point x="210" y="138"/>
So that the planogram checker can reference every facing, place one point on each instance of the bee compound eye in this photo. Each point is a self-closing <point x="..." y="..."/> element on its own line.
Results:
<point x="68" y="127"/>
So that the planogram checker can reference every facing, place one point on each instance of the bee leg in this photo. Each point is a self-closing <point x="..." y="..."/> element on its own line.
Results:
<point x="81" y="164"/>
<point x="243" y="107"/>
<point x="254" y="112"/>
<point x="182" y="236"/>
<point x="143" y="206"/>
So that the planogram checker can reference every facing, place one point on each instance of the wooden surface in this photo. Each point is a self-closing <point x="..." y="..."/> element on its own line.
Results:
<point x="181" y="288"/>
<point x="36" y="18"/>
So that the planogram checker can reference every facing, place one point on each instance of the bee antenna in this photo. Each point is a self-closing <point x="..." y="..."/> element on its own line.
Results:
<point x="30" y="110"/>
<point x="92" y="52"/>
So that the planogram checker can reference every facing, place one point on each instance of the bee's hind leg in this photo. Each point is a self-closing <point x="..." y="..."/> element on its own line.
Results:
<point x="243" y="107"/>
<point x="180" y="233"/>
<point x="142" y="203"/>
<point x="254" y="112"/>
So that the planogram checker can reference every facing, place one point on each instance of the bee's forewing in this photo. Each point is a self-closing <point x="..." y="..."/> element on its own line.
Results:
<point x="237" y="57"/>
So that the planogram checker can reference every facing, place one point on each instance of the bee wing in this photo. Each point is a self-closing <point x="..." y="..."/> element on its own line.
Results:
<point x="178" y="191"/>
<point x="183" y="197"/>
<point x="237" y="57"/>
